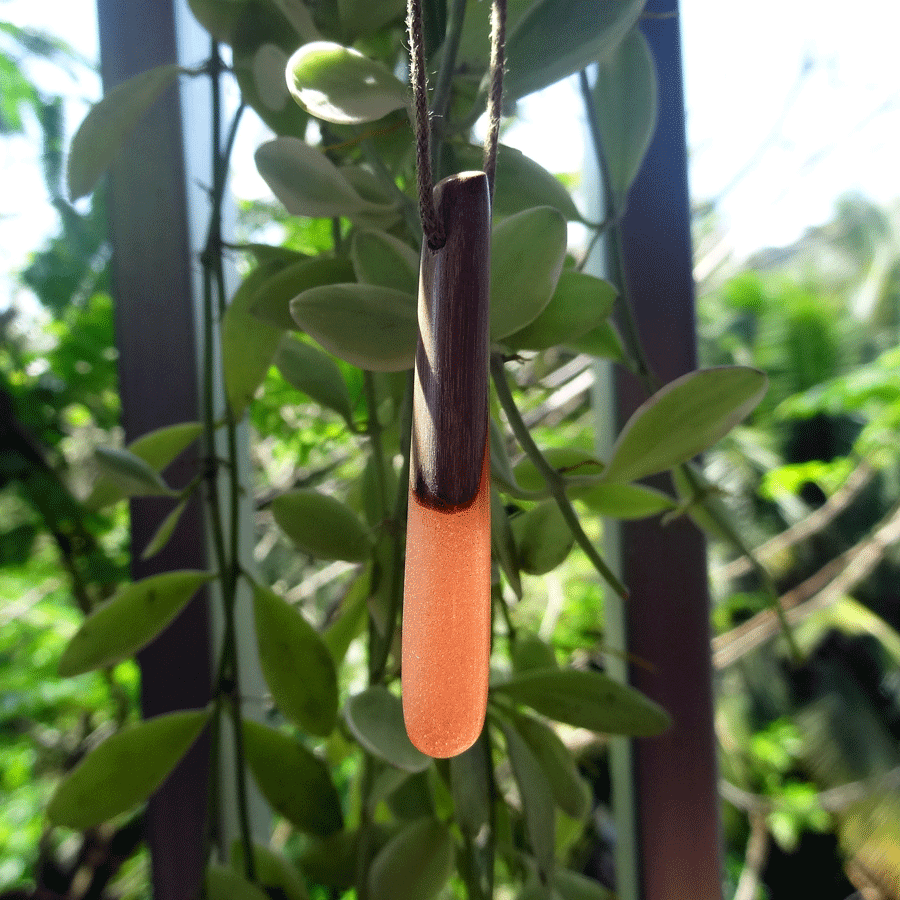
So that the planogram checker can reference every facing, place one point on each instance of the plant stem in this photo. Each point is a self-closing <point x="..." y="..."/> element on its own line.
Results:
<point x="398" y="516"/>
<point x="728" y="529"/>
<point x="640" y="365"/>
<point x="410" y="212"/>
<point x="443" y="87"/>
<point x="364" y="844"/>
<point x="555" y="481"/>
<point x="641" y="368"/>
<point x="227" y="685"/>
<point x="507" y="619"/>
<point x="374" y="431"/>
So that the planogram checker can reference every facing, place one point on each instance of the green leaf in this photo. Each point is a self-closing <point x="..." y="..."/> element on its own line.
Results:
<point x="684" y="418"/>
<point x="557" y="38"/>
<point x="624" y="501"/>
<point x="225" y="884"/>
<point x="272" y="298"/>
<point x="315" y="373"/>
<point x="293" y="780"/>
<point x="703" y="509"/>
<point x="160" y="447"/>
<point x="575" y="886"/>
<point x="103" y="131"/>
<point x="332" y="861"/>
<point x="625" y="103"/>
<point x="164" y="532"/>
<point x="470" y="785"/>
<point x="274" y="872"/>
<point x="384" y="211"/>
<point x="368" y="16"/>
<point x="350" y="619"/>
<point x="503" y="543"/>
<point x="298" y="13"/>
<point x="272" y="253"/>
<point x="131" y="476"/>
<point x="543" y="538"/>
<point x="527" y="255"/>
<point x="520" y="183"/>
<point x="385" y="785"/>
<point x="248" y="344"/>
<point x="307" y="182"/>
<point x="219" y="17"/>
<point x="375" y="717"/>
<point x="383" y="260"/>
<point x="570" y="791"/>
<point x="262" y="39"/>
<point x="417" y="796"/>
<point x="580" y="303"/>
<point x="537" y="799"/>
<point x="267" y="68"/>
<point x="602" y="341"/>
<point x="157" y="449"/>
<point x="296" y="663"/>
<point x="415" y="864"/>
<point x="321" y="526"/>
<point x="370" y="327"/>
<point x="586" y="700"/>
<point x="124" y="770"/>
<point x="501" y="471"/>
<point x="475" y="46"/>
<point x="579" y="467"/>
<point x="534" y="890"/>
<point x="529" y="652"/>
<point x="129" y="621"/>
<point x="340" y="85"/>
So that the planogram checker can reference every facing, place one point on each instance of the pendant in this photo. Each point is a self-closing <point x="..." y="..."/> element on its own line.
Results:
<point x="447" y="587"/>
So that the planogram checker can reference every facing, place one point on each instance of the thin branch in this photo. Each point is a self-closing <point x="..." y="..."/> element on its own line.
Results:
<point x="555" y="481"/>
<point x="754" y="858"/>
<point x="640" y="364"/>
<point x="734" y="536"/>
<point x="443" y="87"/>
<point x="832" y="582"/>
<point x="861" y="476"/>
<point x="226" y="554"/>
<point x="399" y="515"/>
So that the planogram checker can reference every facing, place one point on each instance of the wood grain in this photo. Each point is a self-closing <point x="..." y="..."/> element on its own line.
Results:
<point x="451" y="395"/>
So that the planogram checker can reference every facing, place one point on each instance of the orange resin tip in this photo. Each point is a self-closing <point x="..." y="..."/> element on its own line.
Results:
<point x="446" y="622"/>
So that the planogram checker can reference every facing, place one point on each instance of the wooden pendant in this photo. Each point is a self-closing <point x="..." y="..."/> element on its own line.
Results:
<point x="447" y="589"/>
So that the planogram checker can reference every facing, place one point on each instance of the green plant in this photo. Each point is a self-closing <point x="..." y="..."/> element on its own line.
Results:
<point x="334" y="311"/>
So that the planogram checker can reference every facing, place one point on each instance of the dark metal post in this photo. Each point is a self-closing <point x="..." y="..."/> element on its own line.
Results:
<point x="666" y="621"/>
<point x="158" y="382"/>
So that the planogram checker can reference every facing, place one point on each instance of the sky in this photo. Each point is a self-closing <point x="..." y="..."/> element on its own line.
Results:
<point x="789" y="103"/>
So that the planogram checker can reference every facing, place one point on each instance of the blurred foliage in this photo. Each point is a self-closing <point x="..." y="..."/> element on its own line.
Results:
<point x="58" y="397"/>
<point x="813" y="479"/>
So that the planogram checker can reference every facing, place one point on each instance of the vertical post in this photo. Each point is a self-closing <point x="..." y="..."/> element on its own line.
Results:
<point x="666" y="621"/>
<point x="155" y="333"/>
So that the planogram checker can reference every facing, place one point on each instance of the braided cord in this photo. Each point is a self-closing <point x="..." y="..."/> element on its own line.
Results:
<point x="431" y="224"/>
